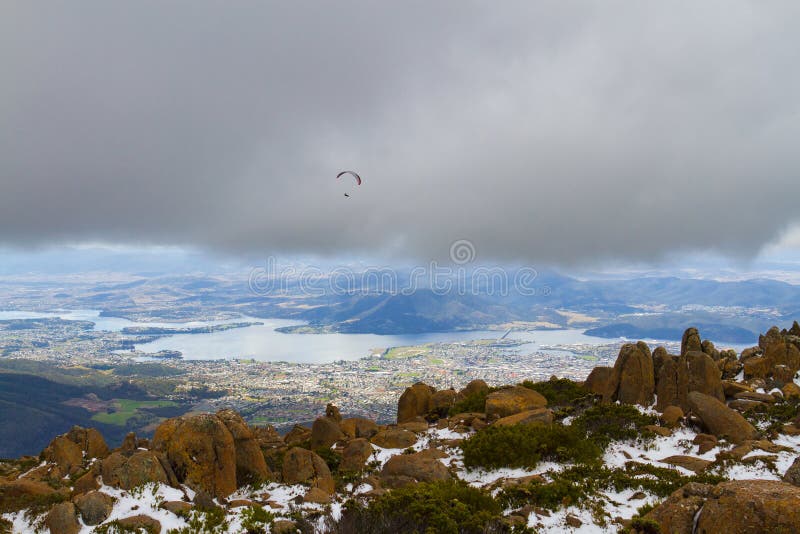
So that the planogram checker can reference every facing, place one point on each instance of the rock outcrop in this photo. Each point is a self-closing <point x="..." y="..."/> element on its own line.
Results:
<point x="513" y="400"/>
<point x="250" y="465"/>
<point x="304" y="466"/>
<point x="719" y="419"/>
<point x="632" y="380"/>
<point x="416" y="401"/>
<point x="405" y="469"/>
<point x="201" y="451"/>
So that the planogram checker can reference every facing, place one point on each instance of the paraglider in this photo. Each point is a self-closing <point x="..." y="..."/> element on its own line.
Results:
<point x="353" y="174"/>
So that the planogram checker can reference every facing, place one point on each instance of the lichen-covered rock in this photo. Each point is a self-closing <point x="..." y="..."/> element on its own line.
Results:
<point x="140" y="468"/>
<point x="750" y="507"/>
<point x="404" y="469"/>
<point x="415" y="401"/>
<point x="691" y="341"/>
<point x="94" y="507"/>
<point x="598" y="380"/>
<point x="297" y="435"/>
<point x="201" y="451"/>
<point x="65" y="453"/>
<point x="304" y="466"/>
<point x="355" y="455"/>
<point x="632" y="381"/>
<point x="704" y="375"/>
<point x="250" y="465"/>
<point x="90" y="441"/>
<point x="676" y="514"/>
<point x="359" y="427"/>
<point x="325" y="432"/>
<point x="475" y="387"/>
<point x="509" y="401"/>
<point x="63" y="519"/>
<point x="442" y="401"/>
<point x="394" y="438"/>
<point x="539" y="415"/>
<point x="140" y="523"/>
<point x="719" y="419"/>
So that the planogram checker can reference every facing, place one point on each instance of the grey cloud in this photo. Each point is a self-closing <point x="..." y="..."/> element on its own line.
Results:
<point x="552" y="132"/>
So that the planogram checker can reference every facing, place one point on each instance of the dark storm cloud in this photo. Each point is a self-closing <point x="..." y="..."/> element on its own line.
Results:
<point x="541" y="131"/>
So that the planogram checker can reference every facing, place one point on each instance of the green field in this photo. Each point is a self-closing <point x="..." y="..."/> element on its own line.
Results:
<point x="126" y="409"/>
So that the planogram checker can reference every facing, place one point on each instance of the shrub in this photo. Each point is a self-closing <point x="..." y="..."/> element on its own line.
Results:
<point x="578" y="484"/>
<point x="476" y="402"/>
<point x="558" y="392"/>
<point x="772" y="417"/>
<point x="440" y="507"/>
<point x="604" y="423"/>
<point x="207" y="521"/>
<point x="526" y="445"/>
<point x="256" y="519"/>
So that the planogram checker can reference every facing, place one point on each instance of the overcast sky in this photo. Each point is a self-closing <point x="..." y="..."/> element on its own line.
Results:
<point x="557" y="132"/>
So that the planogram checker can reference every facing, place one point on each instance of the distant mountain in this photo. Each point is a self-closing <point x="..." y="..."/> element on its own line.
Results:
<point x="721" y="332"/>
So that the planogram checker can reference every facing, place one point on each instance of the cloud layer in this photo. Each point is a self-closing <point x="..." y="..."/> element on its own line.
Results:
<point x="541" y="131"/>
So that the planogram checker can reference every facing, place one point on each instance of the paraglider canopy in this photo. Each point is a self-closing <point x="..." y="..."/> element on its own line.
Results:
<point x="356" y="176"/>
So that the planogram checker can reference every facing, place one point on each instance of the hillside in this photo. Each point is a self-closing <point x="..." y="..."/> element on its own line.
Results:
<point x="659" y="442"/>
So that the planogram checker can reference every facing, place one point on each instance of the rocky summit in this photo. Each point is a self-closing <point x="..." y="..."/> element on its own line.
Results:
<point x="704" y="441"/>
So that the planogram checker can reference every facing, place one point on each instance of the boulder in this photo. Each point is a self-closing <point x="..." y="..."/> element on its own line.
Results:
<point x="304" y="466"/>
<point x="704" y="375"/>
<point x="65" y="453"/>
<point x="792" y="475"/>
<point x="88" y="481"/>
<point x="90" y="441"/>
<point x="632" y="380"/>
<point x="250" y="465"/>
<point x="676" y="514"/>
<point x="719" y="419"/>
<point x="355" y="455"/>
<point x="442" y="401"/>
<point x="394" y="438"/>
<point x="598" y="379"/>
<point x="671" y="416"/>
<point x="141" y="468"/>
<point x="791" y="390"/>
<point x="475" y="387"/>
<point x="63" y="519"/>
<point x="416" y="400"/>
<point x="691" y="341"/>
<point x="697" y="465"/>
<point x="729" y="365"/>
<point x="404" y="469"/>
<point x="539" y="415"/>
<point x="297" y="435"/>
<point x="325" y="432"/>
<point x="140" y="523"/>
<point x="201" y="451"/>
<point x="708" y="347"/>
<point x="751" y="506"/>
<point x="672" y="383"/>
<point x="359" y="427"/>
<point x="332" y="412"/>
<point x="509" y="401"/>
<point x="95" y="507"/>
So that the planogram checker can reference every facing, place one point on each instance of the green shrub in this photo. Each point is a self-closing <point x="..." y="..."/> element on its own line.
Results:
<point x="604" y="423"/>
<point x="772" y="417"/>
<point x="5" y="526"/>
<point x="580" y="484"/>
<point x="256" y="519"/>
<point x="207" y="521"/>
<point x="331" y="458"/>
<point x="476" y="402"/>
<point x="527" y="445"/>
<point x="434" y="507"/>
<point x="558" y="392"/>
